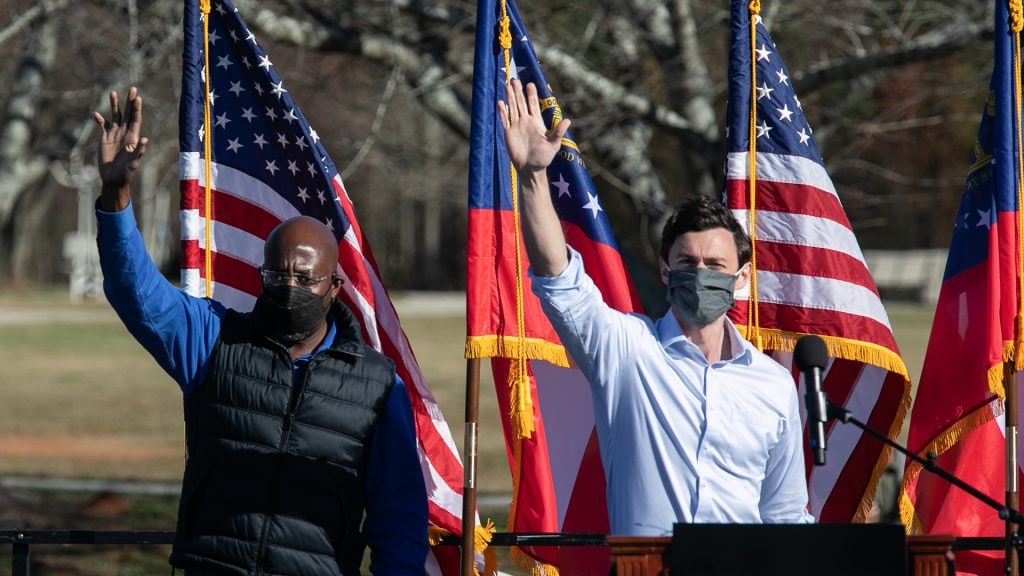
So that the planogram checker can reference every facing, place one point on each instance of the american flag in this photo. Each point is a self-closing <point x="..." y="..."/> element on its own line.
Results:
<point x="267" y="165"/>
<point x="558" y="480"/>
<point x="810" y="274"/>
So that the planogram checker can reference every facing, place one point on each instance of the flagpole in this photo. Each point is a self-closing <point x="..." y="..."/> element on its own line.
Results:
<point x="469" y="476"/>
<point x="1012" y="494"/>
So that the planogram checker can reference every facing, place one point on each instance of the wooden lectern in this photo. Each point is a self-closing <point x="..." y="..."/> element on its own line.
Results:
<point x="927" y="555"/>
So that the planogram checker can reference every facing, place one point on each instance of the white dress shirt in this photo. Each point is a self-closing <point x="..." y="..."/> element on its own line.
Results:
<point x="681" y="440"/>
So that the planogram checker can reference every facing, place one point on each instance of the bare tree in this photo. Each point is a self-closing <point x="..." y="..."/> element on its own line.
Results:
<point x="21" y="170"/>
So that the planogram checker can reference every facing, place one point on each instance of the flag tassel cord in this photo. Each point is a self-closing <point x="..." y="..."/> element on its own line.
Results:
<point x="521" y="403"/>
<point x="480" y="540"/>
<point x="1016" y="11"/>
<point x="1011" y="368"/>
<point x="204" y="8"/>
<point x="753" y="332"/>
<point x="520" y="388"/>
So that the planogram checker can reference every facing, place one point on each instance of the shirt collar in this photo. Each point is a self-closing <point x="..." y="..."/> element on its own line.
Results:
<point x="670" y="334"/>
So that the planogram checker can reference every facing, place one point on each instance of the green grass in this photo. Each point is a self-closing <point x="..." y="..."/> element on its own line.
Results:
<point x="911" y="325"/>
<point x="64" y="382"/>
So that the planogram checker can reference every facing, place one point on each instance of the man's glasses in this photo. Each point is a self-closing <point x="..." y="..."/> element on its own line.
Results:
<point x="275" y="278"/>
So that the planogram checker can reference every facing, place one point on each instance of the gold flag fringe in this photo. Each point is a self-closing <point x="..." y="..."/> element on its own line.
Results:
<point x="513" y="347"/>
<point x="859" y="351"/>
<point x="481" y="545"/>
<point x="883" y="460"/>
<point x="996" y="375"/>
<point x="944" y="441"/>
<point x="520" y="391"/>
<point x="435" y="534"/>
<point x="837" y="347"/>
<point x="908" y="514"/>
<point x="526" y="563"/>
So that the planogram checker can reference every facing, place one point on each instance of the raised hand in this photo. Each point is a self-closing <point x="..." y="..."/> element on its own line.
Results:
<point x="531" y="146"/>
<point x="120" y="149"/>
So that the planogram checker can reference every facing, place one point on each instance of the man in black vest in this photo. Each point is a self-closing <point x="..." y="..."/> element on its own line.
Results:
<point x="301" y="444"/>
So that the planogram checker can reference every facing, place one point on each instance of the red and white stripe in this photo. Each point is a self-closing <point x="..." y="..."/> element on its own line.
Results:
<point x="812" y="279"/>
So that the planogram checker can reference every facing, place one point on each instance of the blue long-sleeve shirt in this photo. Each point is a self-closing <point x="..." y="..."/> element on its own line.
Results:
<point x="180" y="332"/>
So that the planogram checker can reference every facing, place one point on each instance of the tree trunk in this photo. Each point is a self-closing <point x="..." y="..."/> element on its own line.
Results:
<point x="20" y="170"/>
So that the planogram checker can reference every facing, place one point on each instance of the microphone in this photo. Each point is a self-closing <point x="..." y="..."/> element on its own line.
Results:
<point x="811" y="356"/>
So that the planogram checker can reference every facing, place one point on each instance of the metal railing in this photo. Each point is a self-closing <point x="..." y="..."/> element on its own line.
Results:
<point x="22" y="540"/>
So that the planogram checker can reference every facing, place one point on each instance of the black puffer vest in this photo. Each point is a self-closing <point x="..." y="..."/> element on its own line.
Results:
<point x="274" y="479"/>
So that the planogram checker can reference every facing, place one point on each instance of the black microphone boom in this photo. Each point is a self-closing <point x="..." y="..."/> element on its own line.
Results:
<point x="810" y="356"/>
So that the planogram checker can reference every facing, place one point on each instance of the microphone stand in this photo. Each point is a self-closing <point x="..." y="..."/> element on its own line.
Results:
<point x="1005" y="512"/>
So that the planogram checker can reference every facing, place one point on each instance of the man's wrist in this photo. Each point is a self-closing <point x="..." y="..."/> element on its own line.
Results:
<point x="535" y="179"/>
<point x="114" y="198"/>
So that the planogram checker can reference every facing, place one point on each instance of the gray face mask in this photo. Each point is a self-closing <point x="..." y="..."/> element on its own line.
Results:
<point x="700" y="295"/>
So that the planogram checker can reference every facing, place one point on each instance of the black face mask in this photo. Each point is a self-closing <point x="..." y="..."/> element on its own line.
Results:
<point x="290" y="314"/>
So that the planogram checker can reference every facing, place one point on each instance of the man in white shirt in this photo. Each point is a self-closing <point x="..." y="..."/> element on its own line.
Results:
<point x="694" y="424"/>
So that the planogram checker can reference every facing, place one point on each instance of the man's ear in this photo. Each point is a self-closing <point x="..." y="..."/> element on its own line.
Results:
<point x="663" y="270"/>
<point x="336" y="284"/>
<point x="743" y="276"/>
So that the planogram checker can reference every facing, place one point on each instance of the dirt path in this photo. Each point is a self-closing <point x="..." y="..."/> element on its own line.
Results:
<point x="23" y="316"/>
<point x="92" y="448"/>
<point x="411" y="304"/>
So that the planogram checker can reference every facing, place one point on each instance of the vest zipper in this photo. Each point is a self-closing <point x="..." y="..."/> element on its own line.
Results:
<point x="289" y="420"/>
